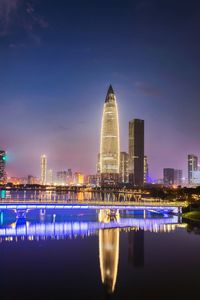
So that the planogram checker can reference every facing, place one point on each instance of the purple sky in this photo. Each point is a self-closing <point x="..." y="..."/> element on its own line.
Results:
<point x="58" y="59"/>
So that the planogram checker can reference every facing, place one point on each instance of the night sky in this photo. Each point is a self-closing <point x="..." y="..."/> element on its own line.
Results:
<point x="57" y="59"/>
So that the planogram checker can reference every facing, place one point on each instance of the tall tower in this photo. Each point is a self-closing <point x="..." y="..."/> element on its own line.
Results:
<point x="136" y="152"/>
<point x="146" y="170"/>
<point x="192" y="166"/>
<point x="43" y="164"/>
<point x="2" y="166"/>
<point x="110" y="141"/>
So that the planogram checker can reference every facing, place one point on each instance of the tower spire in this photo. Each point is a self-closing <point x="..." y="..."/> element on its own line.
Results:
<point x="109" y="92"/>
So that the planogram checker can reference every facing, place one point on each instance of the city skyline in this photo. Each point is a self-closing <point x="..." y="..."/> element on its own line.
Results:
<point x="55" y="105"/>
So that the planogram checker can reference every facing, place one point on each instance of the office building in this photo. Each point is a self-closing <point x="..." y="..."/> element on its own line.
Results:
<point x="2" y="166"/>
<point x="136" y="152"/>
<point x="62" y="177"/>
<point x="168" y="176"/>
<point x="146" y="170"/>
<point x="124" y="171"/>
<point x="50" y="176"/>
<point x="192" y="166"/>
<point x="43" y="164"/>
<point x="178" y="177"/>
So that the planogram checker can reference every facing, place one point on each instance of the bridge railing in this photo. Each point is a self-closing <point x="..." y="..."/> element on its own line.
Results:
<point x="98" y="203"/>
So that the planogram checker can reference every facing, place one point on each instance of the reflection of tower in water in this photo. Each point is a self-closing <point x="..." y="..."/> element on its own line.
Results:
<point x="136" y="248"/>
<point x="109" y="257"/>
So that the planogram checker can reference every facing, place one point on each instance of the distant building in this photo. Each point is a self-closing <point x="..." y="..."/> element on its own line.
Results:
<point x="32" y="180"/>
<point x="168" y="176"/>
<point x="178" y="177"/>
<point x="93" y="179"/>
<point x="62" y="177"/>
<point x="123" y="170"/>
<point x="110" y="141"/>
<point x="98" y="164"/>
<point x="43" y="164"/>
<point x="136" y="152"/>
<point x="78" y="178"/>
<point x="195" y="178"/>
<point x="192" y="166"/>
<point x="50" y="176"/>
<point x="146" y="170"/>
<point x="2" y="166"/>
<point x="69" y="176"/>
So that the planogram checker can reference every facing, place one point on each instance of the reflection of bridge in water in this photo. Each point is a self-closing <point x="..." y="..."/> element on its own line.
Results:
<point x="108" y="227"/>
<point x="74" y="229"/>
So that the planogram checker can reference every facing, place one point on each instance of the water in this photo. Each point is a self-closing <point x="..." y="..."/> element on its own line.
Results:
<point x="47" y="254"/>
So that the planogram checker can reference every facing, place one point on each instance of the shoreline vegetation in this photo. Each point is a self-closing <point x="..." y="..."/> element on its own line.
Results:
<point x="192" y="215"/>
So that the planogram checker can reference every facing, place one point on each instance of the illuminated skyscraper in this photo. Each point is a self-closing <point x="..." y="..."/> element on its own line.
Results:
<point x="50" y="176"/>
<point x="136" y="152"/>
<point x="146" y="169"/>
<point x="124" y="174"/>
<point x="43" y="164"/>
<point x="2" y="166"/>
<point x="110" y="141"/>
<point x="192" y="166"/>
<point x="168" y="176"/>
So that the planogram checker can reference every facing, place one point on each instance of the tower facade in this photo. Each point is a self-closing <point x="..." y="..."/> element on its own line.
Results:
<point x="110" y="140"/>
<point x="146" y="170"/>
<point x="124" y="175"/>
<point x="43" y="165"/>
<point x="136" y="152"/>
<point x="2" y="166"/>
<point x="192" y="166"/>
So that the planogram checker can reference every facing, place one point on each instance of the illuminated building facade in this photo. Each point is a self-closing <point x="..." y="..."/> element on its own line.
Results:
<point x="146" y="169"/>
<point x="110" y="140"/>
<point x="78" y="178"/>
<point x="168" y="176"/>
<point x="43" y="165"/>
<point x="124" y="171"/>
<point x="136" y="152"/>
<point x="192" y="166"/>
<point x="178" y="177"/>
<point x="3" y="159"/>
<point x="32" y="180"/>
<point x="50" y="176"/>
<point x="62" y="177"/>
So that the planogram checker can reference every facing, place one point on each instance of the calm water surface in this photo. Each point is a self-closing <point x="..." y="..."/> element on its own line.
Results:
<point x="87" y="255"/>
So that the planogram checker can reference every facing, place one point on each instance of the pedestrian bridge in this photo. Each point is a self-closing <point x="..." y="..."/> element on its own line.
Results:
<point x="159" y="207"/>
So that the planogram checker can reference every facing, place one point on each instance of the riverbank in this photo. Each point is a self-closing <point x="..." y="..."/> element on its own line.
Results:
<point x="192" y="215"/>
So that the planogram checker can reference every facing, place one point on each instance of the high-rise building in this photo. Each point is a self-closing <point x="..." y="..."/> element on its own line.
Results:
<point x="178" y="177"/>
<point x="62" y="177"/>
<point x="110" y="140"/>
<point x="69" y="176"/>
<point x="192" y="166"/>
<point x="168" y="176"/>
<point x="79" y="178"/>
<point x="136" y="152"/>
<point x="146" y="169"/>
<point x="50" y="176"/>
<point x="98" y="164"/>
<point x="124" y="172"/>
<point x="43" y="164"/>
<point x="32" y="180"/>
<point x="2" y="166"/>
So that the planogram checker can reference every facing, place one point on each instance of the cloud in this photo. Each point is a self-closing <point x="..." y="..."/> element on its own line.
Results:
<point x="147" y="89"/>
<point x="8" y="10"/>
<point x="20" y="15"/>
